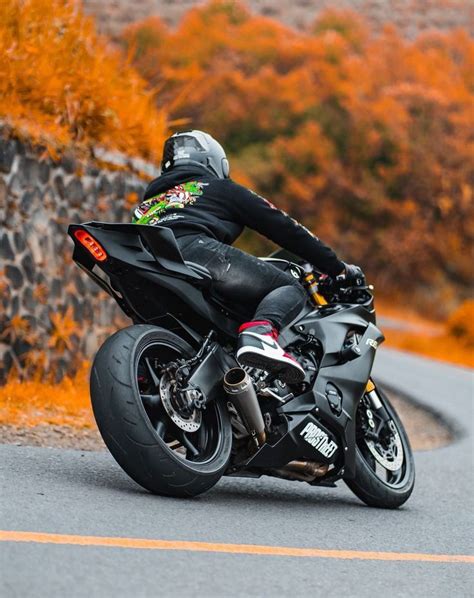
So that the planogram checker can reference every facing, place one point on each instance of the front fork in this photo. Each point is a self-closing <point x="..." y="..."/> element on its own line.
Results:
<point x="371" y="392"/>
<point x="311" y="285"/>
<point x="377" y="405"/>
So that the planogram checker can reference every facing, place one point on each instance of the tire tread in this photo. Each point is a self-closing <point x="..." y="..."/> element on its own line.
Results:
<point x="126" y="429"/>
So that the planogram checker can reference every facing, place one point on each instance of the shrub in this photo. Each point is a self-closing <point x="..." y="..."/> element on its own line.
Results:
<point x="461" y="323"/>
<point x="367" y="137"/>
<point x="61" y="84"/>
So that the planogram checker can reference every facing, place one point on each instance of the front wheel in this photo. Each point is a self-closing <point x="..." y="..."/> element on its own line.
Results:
<point x="385" y="468"/>
<point x="165" y="446"/>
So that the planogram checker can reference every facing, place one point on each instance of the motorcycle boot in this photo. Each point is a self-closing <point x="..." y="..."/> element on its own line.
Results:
<point x="258" y="348"/>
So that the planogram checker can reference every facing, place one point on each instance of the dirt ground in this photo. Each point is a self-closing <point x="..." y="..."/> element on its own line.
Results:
<point x="425" y="431"/>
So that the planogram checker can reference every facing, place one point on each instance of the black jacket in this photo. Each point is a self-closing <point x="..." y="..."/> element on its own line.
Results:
<point x="189" y="200"/>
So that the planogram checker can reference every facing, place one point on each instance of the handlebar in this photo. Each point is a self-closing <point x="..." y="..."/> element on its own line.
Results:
<point x="337" y="291"/>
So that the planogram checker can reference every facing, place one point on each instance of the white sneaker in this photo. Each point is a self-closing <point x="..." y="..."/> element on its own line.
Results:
<point x="258" y="348"/>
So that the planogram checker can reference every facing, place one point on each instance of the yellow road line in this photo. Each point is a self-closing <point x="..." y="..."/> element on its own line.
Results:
<point x="146" y="544"/>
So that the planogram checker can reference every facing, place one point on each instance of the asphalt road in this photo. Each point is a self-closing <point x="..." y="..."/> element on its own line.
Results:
<point x="86" y="494"/>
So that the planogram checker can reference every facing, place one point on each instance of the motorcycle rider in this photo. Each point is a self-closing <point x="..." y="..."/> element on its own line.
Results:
<point x="207" y="211"/>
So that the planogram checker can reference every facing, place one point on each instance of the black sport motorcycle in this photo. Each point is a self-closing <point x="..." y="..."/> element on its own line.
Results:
<point x="176" y="409"/>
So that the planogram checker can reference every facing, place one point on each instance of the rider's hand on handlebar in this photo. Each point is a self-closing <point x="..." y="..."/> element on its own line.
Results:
<point x="352" y="276"/>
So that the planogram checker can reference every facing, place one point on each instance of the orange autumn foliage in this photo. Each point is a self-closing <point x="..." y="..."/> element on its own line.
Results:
<point x="62" y="331"/>
<point x="442" y="347"/>
<point x="31" y="403"/>
<point x="460" y="324"/>
<point x="367" y="137"/>
<point x="451" y="340"/>
<point x="62" y="85"/>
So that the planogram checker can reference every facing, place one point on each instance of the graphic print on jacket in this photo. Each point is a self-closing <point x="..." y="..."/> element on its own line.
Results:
<point x="190" y="200"/>
<point x="153" y="209"/>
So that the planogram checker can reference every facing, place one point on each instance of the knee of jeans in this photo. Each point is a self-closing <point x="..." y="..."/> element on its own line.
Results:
<point x="298" y="292"/>
<point x="298" y="287"/>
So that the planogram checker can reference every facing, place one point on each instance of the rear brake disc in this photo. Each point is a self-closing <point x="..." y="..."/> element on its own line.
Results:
<point x="187" y="423"/>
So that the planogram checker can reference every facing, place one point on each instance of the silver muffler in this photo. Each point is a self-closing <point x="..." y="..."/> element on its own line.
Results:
<point x="241" y="393"/>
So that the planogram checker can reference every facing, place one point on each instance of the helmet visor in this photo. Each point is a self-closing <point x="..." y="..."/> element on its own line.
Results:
<point x="178" y="148"/>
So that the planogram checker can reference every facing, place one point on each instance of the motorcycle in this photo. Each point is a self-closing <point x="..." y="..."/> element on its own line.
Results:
<point x="176" y="409"/>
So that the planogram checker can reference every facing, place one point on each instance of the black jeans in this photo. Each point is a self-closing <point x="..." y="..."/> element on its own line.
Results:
<point x="244" y="281"/>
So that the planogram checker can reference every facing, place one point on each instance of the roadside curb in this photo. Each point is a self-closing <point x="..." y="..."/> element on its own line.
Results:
<point x="441" y="389"/>
<point x="457" y="432"/>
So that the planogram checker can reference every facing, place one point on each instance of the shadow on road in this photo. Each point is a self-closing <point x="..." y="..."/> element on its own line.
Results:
<point x="97" y="470"/>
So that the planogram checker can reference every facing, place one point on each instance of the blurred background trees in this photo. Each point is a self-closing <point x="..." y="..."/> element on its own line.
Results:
<point x="367" y="138"/>
<point x="364" y="135"/>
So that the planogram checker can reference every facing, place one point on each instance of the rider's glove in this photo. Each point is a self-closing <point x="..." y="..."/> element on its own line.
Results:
<point x="352" y="276"/>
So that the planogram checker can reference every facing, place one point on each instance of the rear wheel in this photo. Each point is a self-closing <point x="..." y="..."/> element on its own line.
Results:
<point x="385" y="468"/>
<point x="155" y="434"/>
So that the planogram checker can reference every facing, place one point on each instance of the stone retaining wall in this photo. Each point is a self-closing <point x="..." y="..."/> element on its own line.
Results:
<point x="51" y="314"/>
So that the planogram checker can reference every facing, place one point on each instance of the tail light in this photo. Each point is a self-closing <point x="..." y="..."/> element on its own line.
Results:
<point x="92" y="246"/>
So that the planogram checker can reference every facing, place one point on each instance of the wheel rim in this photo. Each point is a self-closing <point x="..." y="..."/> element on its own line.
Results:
<point x="386" y="455"/>
<point x="200" y="443"/>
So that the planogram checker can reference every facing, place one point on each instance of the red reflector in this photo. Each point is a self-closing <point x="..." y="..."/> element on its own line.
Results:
<point x="92" y="246"/>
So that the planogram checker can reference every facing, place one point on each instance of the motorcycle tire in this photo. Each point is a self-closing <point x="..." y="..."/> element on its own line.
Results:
<point x="369" y="487"/>
<point x="127" y="429"/>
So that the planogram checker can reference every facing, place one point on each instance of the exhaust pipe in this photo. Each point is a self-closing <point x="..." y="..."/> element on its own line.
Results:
<point x="310" y="468"/>
<point x="241" y="393"/>
<point x="304" y="471"/>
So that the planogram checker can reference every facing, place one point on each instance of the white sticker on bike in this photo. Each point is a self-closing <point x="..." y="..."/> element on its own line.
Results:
<point x="319" y="439"/>
<point x="372" y="343"/>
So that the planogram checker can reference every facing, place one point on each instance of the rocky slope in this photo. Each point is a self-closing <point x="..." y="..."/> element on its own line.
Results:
<point x="410" y="16"/>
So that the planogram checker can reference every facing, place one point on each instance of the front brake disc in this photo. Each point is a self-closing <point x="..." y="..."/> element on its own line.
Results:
<point x="390" y="458"/>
